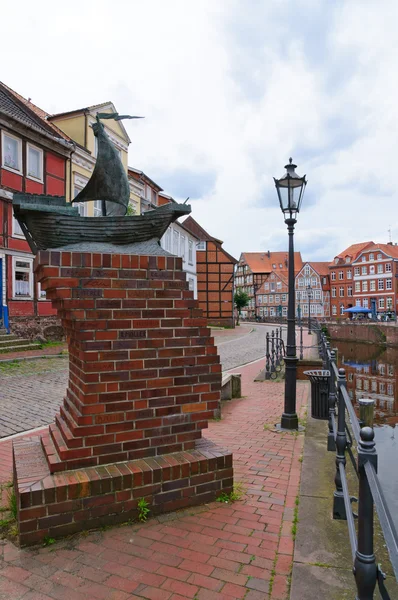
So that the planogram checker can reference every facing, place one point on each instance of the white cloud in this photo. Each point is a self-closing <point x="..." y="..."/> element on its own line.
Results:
<point x="232" y="89"/>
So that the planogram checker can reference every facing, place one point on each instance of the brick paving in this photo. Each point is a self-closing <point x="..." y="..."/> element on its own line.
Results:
<point x="215" y="552"/>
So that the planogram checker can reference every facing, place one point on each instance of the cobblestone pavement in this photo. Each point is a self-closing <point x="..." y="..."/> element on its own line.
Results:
<point x="215" y="552"/>
<point x="30" y="393"/>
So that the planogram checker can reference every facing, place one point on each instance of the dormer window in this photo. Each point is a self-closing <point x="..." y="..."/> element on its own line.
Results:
<point x="336" y="260"/>
<point x="379" y="257"/>
<point x="347" y="259"/>
<point x="280" y="265"/>
<point x="274" y="266"/>
<point x="371" y="256"/>
<point x="363" y="258"/>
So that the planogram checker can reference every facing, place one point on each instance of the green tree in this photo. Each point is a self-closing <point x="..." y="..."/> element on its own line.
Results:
<point x="241" y="300"/>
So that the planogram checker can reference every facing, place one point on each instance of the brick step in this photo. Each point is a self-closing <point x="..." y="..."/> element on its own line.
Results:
<point x="19" y="348"/>
<point x="69" y="439"/>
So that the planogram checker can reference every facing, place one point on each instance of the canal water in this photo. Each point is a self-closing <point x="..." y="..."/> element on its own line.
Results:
<point x="372" y="372"/>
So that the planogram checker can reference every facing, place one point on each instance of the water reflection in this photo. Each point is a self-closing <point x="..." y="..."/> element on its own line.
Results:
<point x="372" y="372"/>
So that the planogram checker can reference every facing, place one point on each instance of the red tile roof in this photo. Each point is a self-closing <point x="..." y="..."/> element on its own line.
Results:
<point x="353" y="250"/>
<point x="322" y="268"/>
<point x="40" y="114"/>
<point x="389" y="249"/>
<point x="261" y="262"/>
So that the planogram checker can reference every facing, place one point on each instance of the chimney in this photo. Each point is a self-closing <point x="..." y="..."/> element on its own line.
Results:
<point x="269" y="254"/>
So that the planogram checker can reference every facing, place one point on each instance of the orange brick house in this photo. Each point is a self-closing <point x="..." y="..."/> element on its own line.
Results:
<point x="215" y="277"/>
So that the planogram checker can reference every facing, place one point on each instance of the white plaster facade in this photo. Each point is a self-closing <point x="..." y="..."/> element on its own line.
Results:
<point x="179" y="241"/>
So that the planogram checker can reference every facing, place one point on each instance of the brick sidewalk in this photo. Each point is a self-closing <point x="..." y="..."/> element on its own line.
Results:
<point x="216" y="552"/>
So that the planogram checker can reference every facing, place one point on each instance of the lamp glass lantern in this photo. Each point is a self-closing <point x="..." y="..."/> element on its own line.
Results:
<point x="290" y="189"/>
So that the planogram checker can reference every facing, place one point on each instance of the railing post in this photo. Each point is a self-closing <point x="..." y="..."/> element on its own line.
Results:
<point x="339" y="511"/>
<point x="301" y="343"/>
<point x="277" y="347"/>
<point x="267" y="358"/>
<point x="366" y="412"/>
<point x="272" y="351"/>
<point x="280" y="344"/>
<point x="332" y="401"/>
<point x="365" y="569"/>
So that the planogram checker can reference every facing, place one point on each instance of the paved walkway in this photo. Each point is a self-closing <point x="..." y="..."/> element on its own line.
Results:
<point x="216" y="552"/>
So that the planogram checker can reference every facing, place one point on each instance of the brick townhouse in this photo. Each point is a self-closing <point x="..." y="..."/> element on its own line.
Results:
<point x="341" y="278"/>
<point x="33" y="159"/>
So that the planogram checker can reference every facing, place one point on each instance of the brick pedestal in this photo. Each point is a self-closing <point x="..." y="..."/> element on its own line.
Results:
<point x="144" y="380"/>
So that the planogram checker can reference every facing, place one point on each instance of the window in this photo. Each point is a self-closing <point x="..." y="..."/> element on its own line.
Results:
<point x="274" y="266"/>
<point x="374" y="385"/>
<point x="16" y="228"/>
<point x="382" y="388"/>
<point x="266" y="311"/>
<point x="81" y="206"/>
<point x="381" y="302"/>
<point x="272" y="287"/>
<point x="182" y="247"/>
<point x="266" y="286"/>
<point x="364" y="271"/>
<point x="356" y="271"/>
<point x="349" y="274"/>
<point x="341" y="274"/>
<point x="318" y="294"/>
<point x="306" y="270"/>
<point x="380" y="268"/>
<point x="357" y="302"/>
<point x="371" y="270"/>
<point x="342" y="310"/>
<point x="389" y="303"/>
<point x="334" y="310"/>
<point x="34" y="163"/>
<point x="201" y="245"/>
<point x="168" y="240"/>
<point x="11" y="152"/>
<point x="301" y="282"/>
<point x="359" y="383"/>
<point x="366" y="384"/>
<point x="381" y="284"/>
<point x="379" y="257"/>
<point x="97" y="208"/>
<point x="284" y="297"/>
<point x="272" y="311"/>
<point x="333" y="292"/>
<point x="388" y="284"/>
<point x="388" y="267"/>
<point x="41" y="294"/>
<point x="371" y="256"/>
<point x="277" y="299"/>
<point x="363" y="259"/>
<point x="265" y="299"/>
<point x="176" y="239"/>
<point x="391" y="370"/>
<point x="280" y="265"/>
<point x="373" y="285"/>
<point x="390" y="389"/>
<point x="278" y="285"/>
<point x="365" y="303"/>
<point x="271" y="299"/>
<point x="333" y="276"/>
<point x="349" y="290"/>
<point x="22" y="277"/>
<point x="191" y="284"/>
<point x="357" y="286"/>
<point x="260" y="299"/>
<point x="341" y="292"/>
<point x="364" y="286"/>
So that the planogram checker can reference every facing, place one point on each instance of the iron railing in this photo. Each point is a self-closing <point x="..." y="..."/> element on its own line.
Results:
<point x="366" y="571"/>
<point x="274" y="353"/>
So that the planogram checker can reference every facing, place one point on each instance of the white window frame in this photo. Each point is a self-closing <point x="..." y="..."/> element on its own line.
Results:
<point x="364" y="286"/>
<point x="349" y="291"/>
<point x="372" y="285"/>
<point x="24" y="270"/>
<point x="356" y="270"/>
<point x="341" y="275"/>
<point x="357" y="286"/>
<point x="349" y="274"/>
<point x="381" y="303"/>
<point x="388" y="284"/>
<point x="182" y="247"/>
<point x="380" y="284"/>
<point x="190" y="252"/>
<point x="41" y="153"/>
<point x="380" y="268"/>
<point x="41" y="294"/>
<point x="334" y="310"/>
<point x="3" y="165"/>
<point x="388" y="268"/>
<point x="365" y="303"/>
<point x="363" y="258"/>
<point x="364" y="270"/>
<point x="341" y="292"/>
<point x="201" y="245"/>
<point x="333" y="292"/>
<point x="371" y="256"/>
<point x="15" y="226"/>
<point x="333" y="276"/>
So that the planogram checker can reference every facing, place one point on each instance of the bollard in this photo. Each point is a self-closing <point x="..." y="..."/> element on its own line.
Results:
<point x="339" y="511"/>
<point x="331" y="444"/>
<point x="365" y="569"/>
<point x="366" y="412"/>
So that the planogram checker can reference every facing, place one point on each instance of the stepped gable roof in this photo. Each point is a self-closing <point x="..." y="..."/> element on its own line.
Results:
<point x="389" y="249"/>
<point x="261" y="262"/>
<point x="25" y="112"/>
<point x="352" y="251"/>
<point x="203" y="235"/>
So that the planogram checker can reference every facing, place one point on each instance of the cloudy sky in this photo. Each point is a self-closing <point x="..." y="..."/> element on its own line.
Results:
<point x="230" y="89"/>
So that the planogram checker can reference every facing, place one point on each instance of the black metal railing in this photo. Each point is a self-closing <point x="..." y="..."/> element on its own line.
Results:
<point x="274" y="353"/>
<point x="366" y="571"/>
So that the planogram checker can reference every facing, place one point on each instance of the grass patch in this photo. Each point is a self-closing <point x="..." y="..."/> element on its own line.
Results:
<point x="48" y="541"/>
<point x="143" y="510"/>
<point x="236" y="494"/>
<point x="51" y="345"/>
<point x="295" y="517"/>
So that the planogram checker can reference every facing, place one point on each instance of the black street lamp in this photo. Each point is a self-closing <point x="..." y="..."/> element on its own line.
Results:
<point x="290" y="189"/>
<point x="309" y="294"/>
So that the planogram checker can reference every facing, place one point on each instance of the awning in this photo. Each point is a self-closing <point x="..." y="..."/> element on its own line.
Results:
<point x="357" y="309"/>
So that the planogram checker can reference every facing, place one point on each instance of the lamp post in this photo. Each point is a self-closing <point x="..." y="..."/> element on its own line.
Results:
<point x="290" y="189"/>
<point x="309" y="292"/>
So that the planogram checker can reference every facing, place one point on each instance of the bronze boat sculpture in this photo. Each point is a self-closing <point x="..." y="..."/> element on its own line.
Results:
<point x="51" y="222"/>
